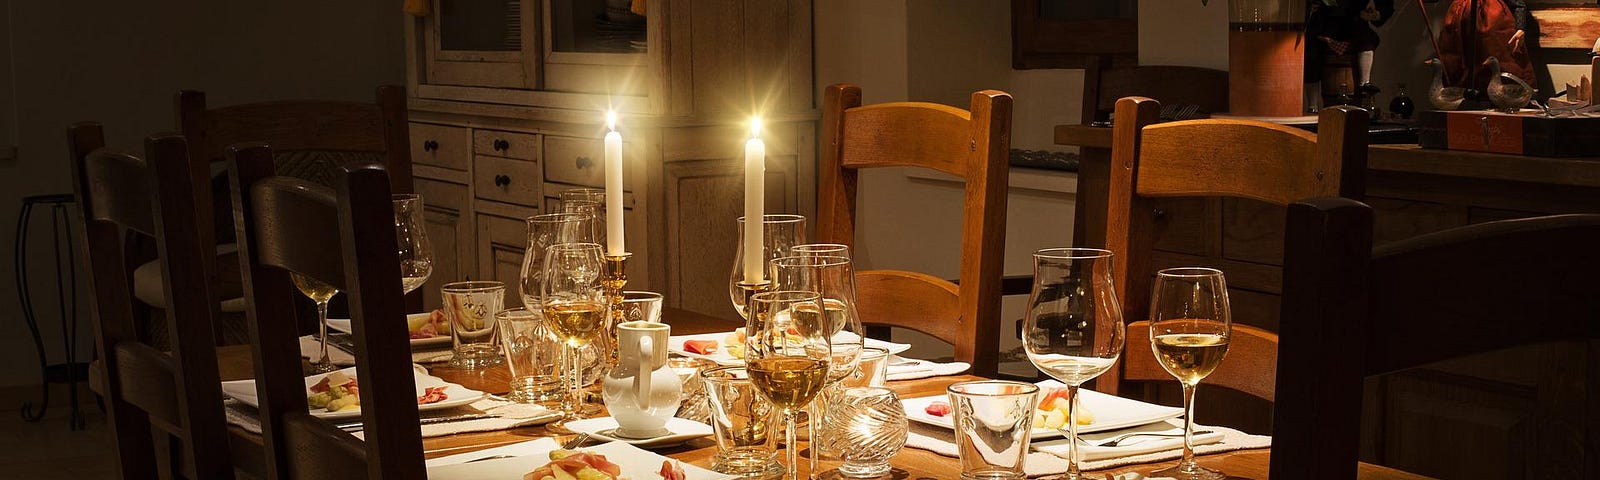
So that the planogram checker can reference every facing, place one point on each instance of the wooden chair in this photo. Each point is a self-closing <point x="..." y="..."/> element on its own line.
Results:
<point x="973" y="145"/>
<point x="1361" y="312"/>
<point x="146" y="390"/>
<point x="1214" y="158"/>
<point x="344" y="238"/>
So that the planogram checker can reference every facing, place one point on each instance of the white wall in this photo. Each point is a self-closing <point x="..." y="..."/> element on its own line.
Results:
<point x="120" y="62"/>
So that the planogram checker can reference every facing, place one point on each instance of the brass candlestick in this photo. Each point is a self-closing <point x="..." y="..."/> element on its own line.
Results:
<point x="616" y="277"/>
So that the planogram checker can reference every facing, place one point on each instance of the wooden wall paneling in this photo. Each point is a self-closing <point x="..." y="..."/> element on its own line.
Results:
<point x="501" y="244"/>
<point x="720" y="83"/>
<point x="701" y="207"/>
<point x="1395" y="219"/>
<point x="1254" y="231"/>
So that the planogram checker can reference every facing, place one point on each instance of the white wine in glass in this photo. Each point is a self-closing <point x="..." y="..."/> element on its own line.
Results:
<point x="1190" y="323"/>
<point x="320" y="293"/>
<point x="787" y="353"/>
<point x="576" y="309"/>
<point x="789" y="382"/>
<point x="577" y="322"/>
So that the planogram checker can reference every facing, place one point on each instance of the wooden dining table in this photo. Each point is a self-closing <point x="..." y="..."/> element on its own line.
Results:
<point x="910" y="463"/>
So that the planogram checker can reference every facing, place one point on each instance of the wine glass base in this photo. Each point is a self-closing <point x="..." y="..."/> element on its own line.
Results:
<point x="474" y="361"/>
<point x="1189" y="471"/>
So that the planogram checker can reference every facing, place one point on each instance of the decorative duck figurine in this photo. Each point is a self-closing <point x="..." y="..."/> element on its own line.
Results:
<point x="1506" y="90"/>
<point x="1442" y="97"/>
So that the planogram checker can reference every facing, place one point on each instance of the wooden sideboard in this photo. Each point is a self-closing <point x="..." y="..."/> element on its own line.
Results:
<point x="1508" y="414"/>
<point x="501" y="123"/>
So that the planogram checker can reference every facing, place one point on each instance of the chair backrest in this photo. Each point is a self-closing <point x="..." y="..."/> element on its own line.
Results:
<point x="973" y="145"/>
<point x="1103" y="85"/>
<point x="178" y="393"/>
<point x="1362" y="312"/>
<point x="344" y="238"/>
<point x="1215" y="158"/>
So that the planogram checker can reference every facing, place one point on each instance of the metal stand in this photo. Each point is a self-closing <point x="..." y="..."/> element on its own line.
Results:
<point x="70" y="372"/>
<point x="616" y="278"/>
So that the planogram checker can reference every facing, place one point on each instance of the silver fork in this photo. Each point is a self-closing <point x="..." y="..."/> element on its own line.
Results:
<point x="1119" y="438"/>
<point x="571" y="443"/>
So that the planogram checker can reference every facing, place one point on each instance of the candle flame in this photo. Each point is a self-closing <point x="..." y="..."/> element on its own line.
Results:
<point x="611" y="120"/>
<point x="755" y="127"/>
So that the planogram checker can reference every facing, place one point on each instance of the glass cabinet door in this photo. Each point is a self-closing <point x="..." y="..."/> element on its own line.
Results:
<point x="597" y="26"/>
<point x="483" y="43"/>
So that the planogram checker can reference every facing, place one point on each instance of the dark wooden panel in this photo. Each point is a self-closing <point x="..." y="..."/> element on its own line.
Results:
<point x="1401" y="219"/>
<point x="1253" y="231"/>
<point x="1182" y="224"/>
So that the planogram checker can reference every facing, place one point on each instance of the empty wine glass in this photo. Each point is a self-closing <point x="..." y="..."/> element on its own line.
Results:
<point x="590" y="202"/>
<point x="1073" y="329"/>
<point x="834" y="278"/>
<point x="319" y="292"/>
<point x="779" y="233"/>
<point x="787" y="354"/>
<point x="1190" y="324"/>
<point x="416" y="254"/>
<point x="575" y="308"/>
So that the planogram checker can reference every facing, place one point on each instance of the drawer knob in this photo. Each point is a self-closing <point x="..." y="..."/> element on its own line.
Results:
<point x="430" y="146"/>
<point x="502" y="181"/>
<point x="585" y="162"/>
<point x="502" y="145"/>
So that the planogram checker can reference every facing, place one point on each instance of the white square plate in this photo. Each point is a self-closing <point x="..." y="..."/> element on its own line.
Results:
<point x="245" y="392"/>
<point x="343" y="325"/>
<point x="675" y="345"/>
<point x="1110" y="411"/>
<point x="636" y="464"/>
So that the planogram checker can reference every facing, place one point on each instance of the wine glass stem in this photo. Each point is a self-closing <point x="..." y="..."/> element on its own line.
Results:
<point x="1188" y="424"/>
<point x="1072" y="429"/>
<point x="813" y="421"/>
<point x="575" y="384"/>
<point x="322" y="328"/>
<point x="791" y="450"/>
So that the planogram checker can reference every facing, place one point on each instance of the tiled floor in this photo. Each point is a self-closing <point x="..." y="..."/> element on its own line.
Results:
<point x="47" y="449"/>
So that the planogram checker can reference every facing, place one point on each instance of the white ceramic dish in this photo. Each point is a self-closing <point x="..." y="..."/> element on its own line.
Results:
<point x="245" y="392"/>
<point x="675" y="345"/>
<point x="343" y="325"/>
<point x="681" y="430"/>
<point x="1110" y="412"/>
<point x="635" y="463"/>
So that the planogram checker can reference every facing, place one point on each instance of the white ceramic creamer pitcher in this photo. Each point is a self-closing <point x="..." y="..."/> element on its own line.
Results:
<point x="642" y="393"/>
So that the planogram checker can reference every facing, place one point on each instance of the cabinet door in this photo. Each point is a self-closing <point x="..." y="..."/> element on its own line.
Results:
<point x="501" y="242"/>
<point x="482" y="43"/>
<point x="449" y="227"/>
<point x="703" y="197"/>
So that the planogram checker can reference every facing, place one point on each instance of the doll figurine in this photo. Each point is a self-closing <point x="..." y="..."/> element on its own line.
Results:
<point x="1476" y="30"/>
<point x="1343" y="27"/>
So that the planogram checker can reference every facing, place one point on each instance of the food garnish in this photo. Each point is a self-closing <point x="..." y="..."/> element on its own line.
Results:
<point x="938" y="408"/>
<point x="672" y="470"/>
<point x="436" y="324"/>
<point x="1052" y="412"/>
<point x="335" y="392"/>
<point x="575" y="465"/>
<point x="700" y="347"/>
<point x="433" y="395"/>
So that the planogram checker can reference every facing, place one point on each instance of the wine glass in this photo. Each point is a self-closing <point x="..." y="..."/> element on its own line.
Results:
<point x="787" y="354"/>
<point x="779" y="233"/>
<point x="833" y="277"/>
<point x="318" y="292"/>
<point x="590" y="202"/>
<point x="575" y="308"/>
<point x="543" y="231"/>
<point x="1073" y="329"/>
<point x="416" y="254"/>
<point x="1189" y="328"/>
<point x="821" y="249"/>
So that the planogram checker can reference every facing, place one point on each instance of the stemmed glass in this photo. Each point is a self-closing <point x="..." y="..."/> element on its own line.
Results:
<point x="834" y="278"/>
<point x="1190" y="324"/>
<point x="1073" y="329"/>
<point x="787" y="354"/>
<point x="575" y="308"/>
<point x="416" y="254"/>
<point x="318" y="292"/>
<point x="779" y="234"/>
<point x="592" y="203"/>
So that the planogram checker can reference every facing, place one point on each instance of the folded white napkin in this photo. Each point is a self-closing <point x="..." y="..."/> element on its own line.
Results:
<point x="922" y="368"/>
<point x="506" y="415"/>
<point x="1044" y="461"/>
<point x="520" y="449"/>
<point x="310" y="349"/>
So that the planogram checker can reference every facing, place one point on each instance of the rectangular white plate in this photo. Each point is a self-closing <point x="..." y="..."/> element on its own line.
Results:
<point x="245" y="392"/>
<point x="343" y="325"/>
<point x="636" y="464"/>
<point x="1110" y="411"/>
<point x="675" y="345"/>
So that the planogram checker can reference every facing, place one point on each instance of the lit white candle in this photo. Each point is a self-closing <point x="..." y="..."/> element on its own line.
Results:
<point x="755" y="171"/>
<point x="613" y="168"/>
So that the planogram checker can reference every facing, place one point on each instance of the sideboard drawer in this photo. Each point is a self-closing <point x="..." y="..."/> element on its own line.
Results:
<point x="507" y="180"/>
<point x="580" y="161"/>
<point x="505" y="144"/>
<point x="441" y="146"/>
